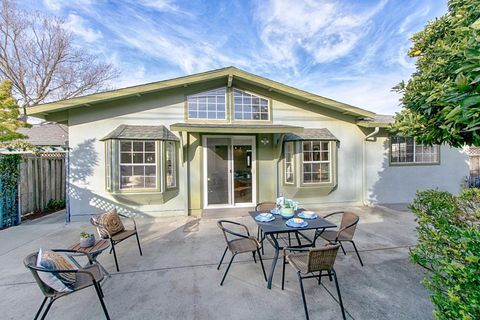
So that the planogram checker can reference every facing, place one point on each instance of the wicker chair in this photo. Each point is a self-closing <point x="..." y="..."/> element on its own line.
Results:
<point x="263" y="206"/>
<point x="239" y="243"/>
<point x="120" y="236"/>
<point x="345" y="232"/>
<point x="91" y="275"/>
<point x="308" y="261"/>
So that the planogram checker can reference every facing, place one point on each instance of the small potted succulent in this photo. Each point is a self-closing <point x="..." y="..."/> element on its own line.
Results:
<point x="87" y="239"/>
<point x="287" y="207"/>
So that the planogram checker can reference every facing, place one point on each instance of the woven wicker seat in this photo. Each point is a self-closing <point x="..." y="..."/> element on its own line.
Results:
<point x="308" y="261"/>
<point x="88" y="276"/>
<point x="122" y="235"/>
<point x="242" y="242"/>
<point x="118" y="236"/>
<point x="346" y="231"/>
<point x="243" y="245"/>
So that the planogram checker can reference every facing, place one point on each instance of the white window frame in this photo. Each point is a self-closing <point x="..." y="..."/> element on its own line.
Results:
<point x="415" y="155"/>
<point x="329" y="161"/>
<point x="205" y="95"/>
<point x="253" y="95"/>
<point x="290" y="152"/>
<point x="144" y="164"/>
<point x="174" y="164"/>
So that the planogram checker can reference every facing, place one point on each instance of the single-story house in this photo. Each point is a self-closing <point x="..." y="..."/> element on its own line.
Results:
<point x="228" y="138"/>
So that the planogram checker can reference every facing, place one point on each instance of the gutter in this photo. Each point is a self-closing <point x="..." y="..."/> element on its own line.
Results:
<point x="369" y="137"/>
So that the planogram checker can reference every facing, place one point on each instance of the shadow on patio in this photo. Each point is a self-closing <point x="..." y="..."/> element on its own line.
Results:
<point x="177" y="277"/>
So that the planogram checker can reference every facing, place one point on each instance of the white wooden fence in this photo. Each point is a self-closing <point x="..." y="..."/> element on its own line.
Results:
<point x="42" y="178"/>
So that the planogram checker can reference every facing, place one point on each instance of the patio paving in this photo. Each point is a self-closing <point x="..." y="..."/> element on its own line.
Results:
<point x="177" y="278"/>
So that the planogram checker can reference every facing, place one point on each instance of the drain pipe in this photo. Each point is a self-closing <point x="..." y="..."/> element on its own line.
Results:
<point x="369" y="137"/>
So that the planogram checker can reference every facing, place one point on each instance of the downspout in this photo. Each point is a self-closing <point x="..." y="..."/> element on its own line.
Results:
<point x="67" y="186"/>
<point x="277" y="164"/>
<point x="364" y="163"/>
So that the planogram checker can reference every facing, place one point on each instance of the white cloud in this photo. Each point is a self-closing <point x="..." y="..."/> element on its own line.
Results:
<point x="324" y="30"/>
<point x="79" y="26"/>
<point x="160" y="5"/>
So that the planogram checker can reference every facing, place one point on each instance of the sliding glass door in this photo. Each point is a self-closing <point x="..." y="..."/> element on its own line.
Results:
<point x="229" y="171"/>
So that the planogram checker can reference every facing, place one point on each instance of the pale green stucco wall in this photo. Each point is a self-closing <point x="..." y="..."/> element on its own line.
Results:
<point x="87" y="164"/>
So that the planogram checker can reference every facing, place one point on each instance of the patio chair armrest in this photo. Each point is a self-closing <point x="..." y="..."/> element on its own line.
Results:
<point x="293" y="249"/>
<point x="346" y="227"/>
<point x="219" y="223"/>
<point x="333" y="213"/>
<point x="129" y="218"/>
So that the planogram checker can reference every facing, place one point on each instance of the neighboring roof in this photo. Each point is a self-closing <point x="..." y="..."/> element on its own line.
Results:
<point x="47" y="134"/>
<point x="379" y="120"/>
<point x="310" y="134"/>
<point x="229" y="75"/>
<point x="234" y="128"/>
<point x="141" y="133"/>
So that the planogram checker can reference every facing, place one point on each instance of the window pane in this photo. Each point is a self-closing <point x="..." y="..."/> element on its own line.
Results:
<point x="206" y="105"/>
<point x="149" y="157"/>
<point x="406" y="150"/>
<point x="150" y="182"/>
<point x="150" y="170"/>
<point x="138" y="158"/>
<point x="125" y="157"/>
<point x="149" y="146"/>
<point x="137" y="146"/>
<point x="125" y="146"/>
<point x="249" y="107"/>
<point x="139" y="171"/>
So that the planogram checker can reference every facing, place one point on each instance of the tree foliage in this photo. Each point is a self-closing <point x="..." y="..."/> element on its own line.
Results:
<point x="442" y="99"/>
<point x="38" y="55"/>
<point x="9" y="113"/>
<point x="449" y="248"/>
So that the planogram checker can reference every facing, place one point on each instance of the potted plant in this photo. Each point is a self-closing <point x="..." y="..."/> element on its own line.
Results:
<point x="87" y="239"/>
<point x="287" y="207"/>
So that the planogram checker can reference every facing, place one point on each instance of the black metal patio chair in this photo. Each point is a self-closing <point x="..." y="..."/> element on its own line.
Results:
<point x="345" y="232"/>
<point x="85" y="277"/>
<point x="307" y="262"/>
<point x="239" y="243"/>
<point x="110" y="229"/>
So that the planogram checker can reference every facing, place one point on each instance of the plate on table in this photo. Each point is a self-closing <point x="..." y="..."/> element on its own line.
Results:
<point x="296" y="223"/>
<point x="308" y="215"/>
<point x="265" y="217"/>
<point x="275" y="211"/>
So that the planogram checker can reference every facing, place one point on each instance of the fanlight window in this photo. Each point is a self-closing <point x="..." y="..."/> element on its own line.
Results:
<point x="249" y="107"/>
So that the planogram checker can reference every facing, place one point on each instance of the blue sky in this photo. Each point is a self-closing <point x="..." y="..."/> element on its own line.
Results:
<point x="351" y="51"/>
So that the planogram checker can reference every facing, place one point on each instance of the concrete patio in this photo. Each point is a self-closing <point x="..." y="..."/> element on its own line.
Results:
<point x="177" y="278"/>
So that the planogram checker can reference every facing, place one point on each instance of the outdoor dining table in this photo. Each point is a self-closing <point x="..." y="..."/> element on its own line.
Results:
<point x="278" y="226"/>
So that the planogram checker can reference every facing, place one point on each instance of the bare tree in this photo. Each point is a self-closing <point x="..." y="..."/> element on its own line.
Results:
<point x="38" y="56"/>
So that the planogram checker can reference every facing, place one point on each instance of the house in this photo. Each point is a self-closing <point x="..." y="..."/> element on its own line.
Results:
<point x="228" y="138"/>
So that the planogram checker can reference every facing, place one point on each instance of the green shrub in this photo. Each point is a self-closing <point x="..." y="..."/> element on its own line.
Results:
<point x="448" y="248"/>
<point x="55" y="204"/>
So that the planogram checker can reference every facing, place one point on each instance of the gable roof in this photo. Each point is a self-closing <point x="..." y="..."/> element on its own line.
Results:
<point x="229" y="74"/>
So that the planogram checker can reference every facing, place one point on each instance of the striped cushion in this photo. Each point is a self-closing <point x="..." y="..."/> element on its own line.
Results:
<point x="108" y="223"/>
<point x="59" y="281"/>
